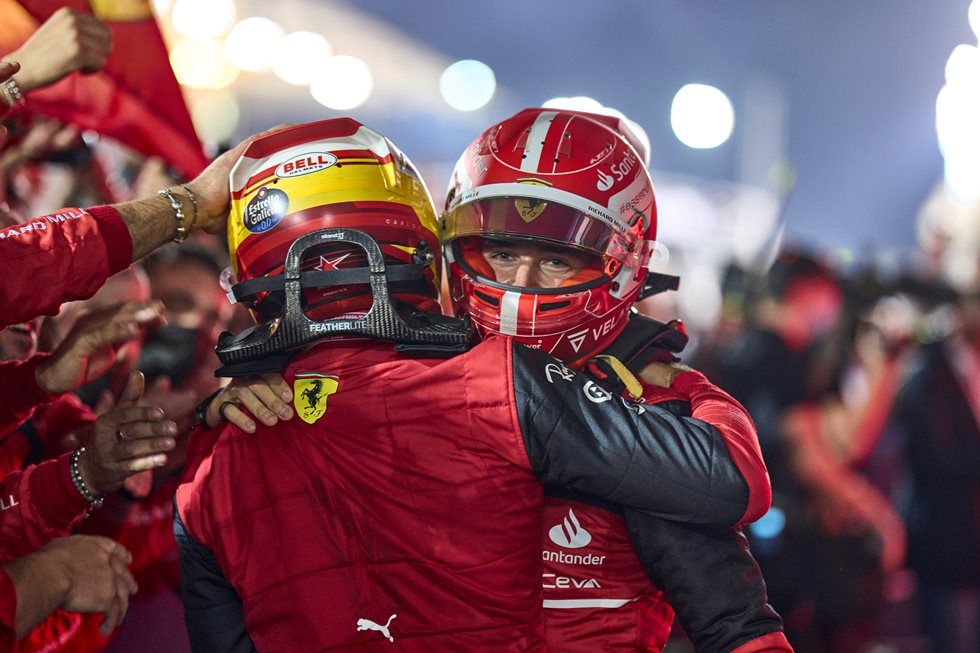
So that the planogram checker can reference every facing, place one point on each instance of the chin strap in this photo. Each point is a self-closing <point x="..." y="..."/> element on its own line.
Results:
<point x="657" y="283"/>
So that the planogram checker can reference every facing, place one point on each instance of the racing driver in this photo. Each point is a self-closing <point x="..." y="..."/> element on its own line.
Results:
<point x="368" y="522"/>
<point x="548" y="236"/>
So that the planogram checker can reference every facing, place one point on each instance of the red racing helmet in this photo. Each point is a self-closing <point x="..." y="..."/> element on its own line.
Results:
<point x="552" y="178"/>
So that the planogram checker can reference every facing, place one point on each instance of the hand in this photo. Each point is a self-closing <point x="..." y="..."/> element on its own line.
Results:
<point x="211" y="187"/>
<point x="90" y="347"/>
<point x="7" y="70"/>
<point x="263" y="396"/>
<point x="80" y="573"/>
<point x="125" y="441"/>
<point x="662" y="374"/>
<point x="177" y="405"/>
<point x="45" y="136"/>
<point x="66" y="42"/>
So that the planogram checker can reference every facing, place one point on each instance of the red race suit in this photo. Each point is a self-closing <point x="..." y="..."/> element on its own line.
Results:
<point x="404" y="503"/>
<point x="57" y="258"/>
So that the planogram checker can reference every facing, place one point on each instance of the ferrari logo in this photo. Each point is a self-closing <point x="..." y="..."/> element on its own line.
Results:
<point x="310" y="393"/>
<point x="530" y="209"/>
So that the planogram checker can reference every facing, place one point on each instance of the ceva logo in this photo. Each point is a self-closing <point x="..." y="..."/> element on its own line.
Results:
<point x="304" y="164"/>
<point x="570" y="534"/>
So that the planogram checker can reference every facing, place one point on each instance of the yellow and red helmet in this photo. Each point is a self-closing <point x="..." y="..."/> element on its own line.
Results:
<point x="330" y="174"/>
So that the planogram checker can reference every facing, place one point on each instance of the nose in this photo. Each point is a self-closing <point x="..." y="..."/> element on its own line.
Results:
<point x="524" y="276"/>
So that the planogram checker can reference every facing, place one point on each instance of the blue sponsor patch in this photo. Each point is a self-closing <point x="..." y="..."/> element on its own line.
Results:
<point x="265" y="210"/>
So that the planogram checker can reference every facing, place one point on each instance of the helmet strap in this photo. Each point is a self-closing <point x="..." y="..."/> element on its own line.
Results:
<point x="268" y="346"/>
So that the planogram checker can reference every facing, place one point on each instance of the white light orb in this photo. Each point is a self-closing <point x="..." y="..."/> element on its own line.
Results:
<point x="963" y="66"/>
<point x="957" y="126"/>
<point x="299" y="56"/>
<point x="202" y="19"/>
<point x="343" y="83"/>
<point x="961" y="175"/>
<point x="974" y="16"/>
<point x="699" y="297"/>
<point x="252" y="42"/>
<point x="576" y="103"/>
<point x="200" y="63"/>
<point x="702" y="116"/>
<point x="467" y="85"/>
<point x="215" y="115"/>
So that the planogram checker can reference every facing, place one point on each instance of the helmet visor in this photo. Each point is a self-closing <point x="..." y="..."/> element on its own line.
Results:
<point x="535" y="220"/>
<point x="528" y="265"/>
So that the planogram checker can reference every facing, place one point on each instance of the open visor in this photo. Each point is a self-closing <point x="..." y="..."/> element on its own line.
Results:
<point x="538" y="220"/>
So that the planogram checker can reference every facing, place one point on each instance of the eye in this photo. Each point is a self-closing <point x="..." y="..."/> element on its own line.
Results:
<point x="557" y="264"/>
<point x="502" y="257"/>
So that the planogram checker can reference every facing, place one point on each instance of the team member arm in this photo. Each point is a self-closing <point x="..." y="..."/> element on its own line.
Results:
<point x="42" y="503"/>
<point x="709" y="576"/>
<point x="578" y="435"/>
<point x="713" y="583"/>
<point x="69" y="254"/>
<point x="77" y="574"/>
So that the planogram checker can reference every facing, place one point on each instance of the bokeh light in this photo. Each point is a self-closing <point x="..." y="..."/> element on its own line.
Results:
<point x="342" y="83"/>
<point x="770" y="525"/>
<point x="215" y="115"/>
<point x="203" y="19"/>
<point x="299" y="56"/>
<point x="702" y="116"/>
<point x="974" y="16"/>
<point x="252" y="43"/>
<point x="963" y="66"/>
<point x="200" y="63"/>
<point x="575" y="103"/>
<point x="699" y="297"/>
<point x="467" y="85"/>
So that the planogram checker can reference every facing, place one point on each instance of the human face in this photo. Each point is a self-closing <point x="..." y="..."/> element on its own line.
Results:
<point x="527" y="265"/>
<point x="192" y="296"/>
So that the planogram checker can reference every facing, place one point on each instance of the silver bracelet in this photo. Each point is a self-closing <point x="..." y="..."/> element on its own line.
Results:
<point x="12" y="94"/>
<point x="178" y="208"/>
<point x="79" y="483"/>
<point x="194" y="202"/>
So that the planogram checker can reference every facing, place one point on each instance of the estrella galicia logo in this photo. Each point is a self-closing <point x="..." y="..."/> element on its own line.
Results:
<point x="265" y="210"/>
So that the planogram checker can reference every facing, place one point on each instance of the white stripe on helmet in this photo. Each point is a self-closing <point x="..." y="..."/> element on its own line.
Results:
<point x="535" y="141"/>
<point x="509" y="304"/>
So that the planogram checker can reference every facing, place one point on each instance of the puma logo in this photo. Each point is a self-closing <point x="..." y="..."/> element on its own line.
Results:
<point x="367" y="624"/>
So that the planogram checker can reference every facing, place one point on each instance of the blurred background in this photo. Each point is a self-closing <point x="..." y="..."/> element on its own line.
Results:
<point x="770" y="123"/>
<point x="817" y="174"/>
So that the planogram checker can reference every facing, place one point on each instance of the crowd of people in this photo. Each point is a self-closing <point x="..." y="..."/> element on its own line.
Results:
<point x="414" y="514"/>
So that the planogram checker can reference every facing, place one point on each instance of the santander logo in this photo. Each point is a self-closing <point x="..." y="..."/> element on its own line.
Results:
<point x="605" y="181"/>
<point x="570" y="534"/>
<point x="304" y="164"/>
